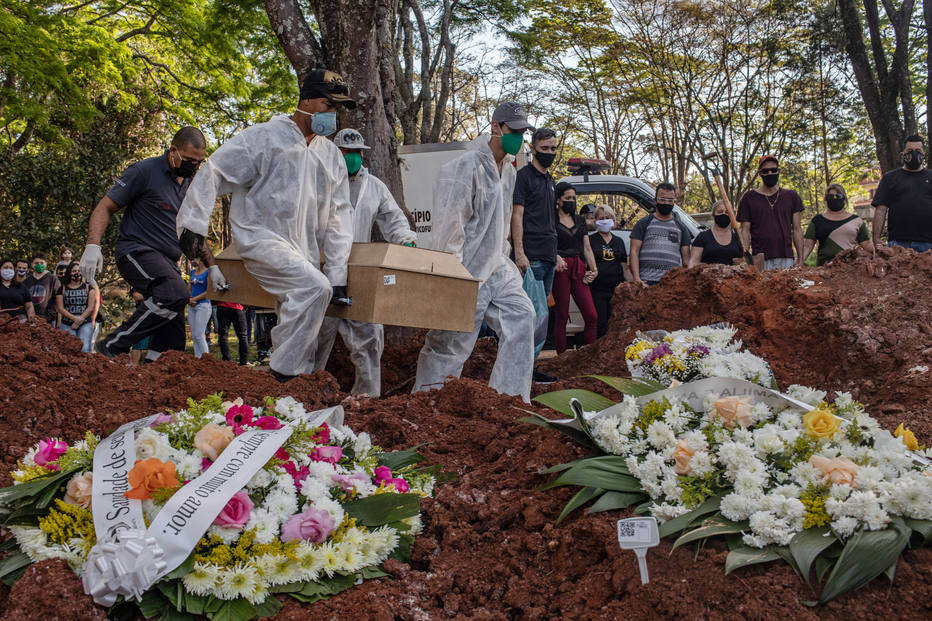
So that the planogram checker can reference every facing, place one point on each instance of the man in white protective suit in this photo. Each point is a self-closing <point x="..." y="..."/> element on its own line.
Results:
<point x="372" y="204"/>
<point x="290" y="210"/>
<point x="473" y="195"/>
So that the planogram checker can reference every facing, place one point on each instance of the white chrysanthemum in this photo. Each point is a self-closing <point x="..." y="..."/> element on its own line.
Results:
<point x="289" y="408"/>
<point x="264" y="525"/>
<point x="152" y="444"/>
<point x="701" y="464"/>
<point x="868" y="477"/>
<point x="315" y="490"/>
<point x="281" y="505"/>
<point x="736" y="457"/>
<point x="277" y="569"/>
<point x="844" y="526"/>
<point x="736" y="507"/>
<point x="666" y="511"/>
<point x="805" y="394"/>
<point x="760" y="412"/>
<point x="766" y="525"/>
<point x="670" y="486"/>
<point x="743" y="436"/>
<point x="330" y="562"/>
<point x="363" y="443"/>
<point x="911" y="496"/>
<point x="768" y="441"/>
<point x="350" y="558"/>
<point x="227" y="535"/>
<point x="321" y="471"/>
<point x="660" y="435"/>
<point x="416" y="526"/>
<point x="750" y="484"/>
<point x="332" y="507"/>
<point x="187" y="466"/>
<point x="150" y="509"/>
<point x="805" y="474"/>
<point x="32" y="541"/>
<point x="789" y="491"/>
<point x="242" y="580"/>
<point x="262" y="478"/>
<point x="202" y="579"/>
<point x="308" y="561"/>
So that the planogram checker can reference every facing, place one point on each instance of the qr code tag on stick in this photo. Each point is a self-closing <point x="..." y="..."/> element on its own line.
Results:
<point x="638" y="532"/>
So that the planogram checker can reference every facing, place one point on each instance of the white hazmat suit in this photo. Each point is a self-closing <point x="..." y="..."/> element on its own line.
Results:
<point x="372" y="204"/>
<point x="290" y="202"/>
<point x="474" y="202"/>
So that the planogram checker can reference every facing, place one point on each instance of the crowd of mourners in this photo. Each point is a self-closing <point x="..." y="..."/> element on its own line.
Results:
<point x="298" y="195"/>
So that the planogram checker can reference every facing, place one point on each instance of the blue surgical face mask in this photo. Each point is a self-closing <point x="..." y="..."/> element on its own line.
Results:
<point x="322" y="123"/>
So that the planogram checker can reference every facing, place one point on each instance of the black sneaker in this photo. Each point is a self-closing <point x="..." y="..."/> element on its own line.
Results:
<point x="540" y="377"/>
<point x="281" y="377"/>
<point x="101" y="348"/>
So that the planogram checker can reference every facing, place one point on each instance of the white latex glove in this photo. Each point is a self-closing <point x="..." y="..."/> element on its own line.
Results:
<point x="217" y="279"/>
<point x="92" y="261"/>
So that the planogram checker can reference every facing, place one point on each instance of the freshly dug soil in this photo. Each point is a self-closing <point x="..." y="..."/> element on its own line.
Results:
<point x="490" y="547"/>
<point x="860" y="324"/>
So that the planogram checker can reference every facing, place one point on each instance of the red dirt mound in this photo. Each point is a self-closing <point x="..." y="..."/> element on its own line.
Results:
<point x="490" y="549"/>
<point x="861" y="324"/>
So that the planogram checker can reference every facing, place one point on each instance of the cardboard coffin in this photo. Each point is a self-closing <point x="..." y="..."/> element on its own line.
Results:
<point x="390" y="284"/>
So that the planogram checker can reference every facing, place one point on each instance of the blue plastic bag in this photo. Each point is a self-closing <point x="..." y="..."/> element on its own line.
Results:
<point x="535" y="290"/>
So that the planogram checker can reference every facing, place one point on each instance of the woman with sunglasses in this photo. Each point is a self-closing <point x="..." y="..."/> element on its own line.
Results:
<point x="836" y="228"/>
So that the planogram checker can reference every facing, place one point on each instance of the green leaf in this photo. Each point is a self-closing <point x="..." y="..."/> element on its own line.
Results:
<point x="38" y="492"/>
<point x="677" y="524"/>
<point x="379" y="509"/>
<point x="397" y="460"/>
<point x="866" y="555"/>
<point x="405" y="546"/>
<point x="745" y="556"/>
<point x="182" y="570"/>
<point x="322" y="589"/>
<point x="608" y="472"/>
<point x="922" y="528"/>
<point x="268" y="608"/>
<point x="559" y="400"/>
<point x="822" y="565"/>
<point x="715" y="525"/>
<point x="610" y="501"/>
<point x="195" y="604"/>
<point x="237" y="609"/>
<point x="152" y="603"/>
<point x="13" y="563"/>
<point x="577" y="435"/>
<point x="809" y="544"/>
<point x="579" y="499"/>
<point x="636" y="387"/>
<point x="374" y="571"/>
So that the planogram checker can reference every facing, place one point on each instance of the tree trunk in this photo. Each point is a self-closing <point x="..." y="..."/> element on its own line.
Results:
<point x="293" y="33"/>
<point x="881" y="107"/>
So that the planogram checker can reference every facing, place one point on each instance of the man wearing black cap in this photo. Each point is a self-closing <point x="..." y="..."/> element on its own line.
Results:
<point x="474" y="193"/>
<point x="290" y="207"/>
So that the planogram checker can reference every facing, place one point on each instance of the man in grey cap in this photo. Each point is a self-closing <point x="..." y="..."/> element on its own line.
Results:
<point x="372" y="204"/>
<point x="473" y="194"/>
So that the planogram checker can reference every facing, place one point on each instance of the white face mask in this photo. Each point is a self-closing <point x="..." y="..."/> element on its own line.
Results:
<point x="605" y="225"/>
<point x="7" y="274"/>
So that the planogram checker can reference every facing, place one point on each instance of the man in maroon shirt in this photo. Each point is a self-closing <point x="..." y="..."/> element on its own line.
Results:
<point x="771" y="217"/>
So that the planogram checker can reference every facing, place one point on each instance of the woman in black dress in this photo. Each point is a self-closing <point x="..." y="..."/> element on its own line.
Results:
<point x="718" y="244"/>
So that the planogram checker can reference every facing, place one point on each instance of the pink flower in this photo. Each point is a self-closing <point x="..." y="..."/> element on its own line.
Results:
<point x="401" y="486"/>
<point x="49" y="451"/>
<point x="297" y="474"/>
<point x="239" y="416"/>
<point x="383" y="474"/>
<point x="161" y="419"/>
<point x="310" y="525"/>
<point x="347" y="482"/>
<point x="329" y="454"/>
<point x="205" y="464"/>
<point x="237" y="430"/>
<point x="323" y="435"/>
<point x="236" y="513"/>
<point x="268" y="422"/>
<point x="282" y="454"/>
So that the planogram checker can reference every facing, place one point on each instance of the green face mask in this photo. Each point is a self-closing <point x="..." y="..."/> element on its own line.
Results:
<point x="511" y="143"/>
<point x="353" y="162"/>
<point x="40" y="267"/>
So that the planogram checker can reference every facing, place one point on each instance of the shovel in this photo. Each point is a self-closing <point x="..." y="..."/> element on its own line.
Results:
<point x="756" y="261"/>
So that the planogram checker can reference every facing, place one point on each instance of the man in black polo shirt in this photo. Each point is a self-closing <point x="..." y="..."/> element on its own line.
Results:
<point x="533" y="217"/>
<point x="147" y="249"/>
<point x="907" y="193"/>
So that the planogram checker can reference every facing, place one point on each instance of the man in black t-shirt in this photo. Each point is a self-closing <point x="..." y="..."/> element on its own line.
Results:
<point x="42" y="285"/>
<point x="147" y="248"/>
<point x="907" y="193"/>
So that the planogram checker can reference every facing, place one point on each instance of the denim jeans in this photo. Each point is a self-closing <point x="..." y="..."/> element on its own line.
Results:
<point x="85" y="332"/>
<point x="913" y="245"/>
<point x="543" y="270"/>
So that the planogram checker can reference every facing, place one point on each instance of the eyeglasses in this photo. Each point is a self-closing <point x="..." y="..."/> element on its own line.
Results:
<point x="769" y="171"/>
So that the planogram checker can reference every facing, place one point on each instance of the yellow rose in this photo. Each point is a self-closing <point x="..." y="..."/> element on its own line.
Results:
<point x="733" y="410"/>
<point x="838" y="471"/>
<point x="78" y="490"/>
<point x="821" y="422"/>
<point x="212" y="439"/>
<point x="906" y="437"/>
<point x="682" y="455"/>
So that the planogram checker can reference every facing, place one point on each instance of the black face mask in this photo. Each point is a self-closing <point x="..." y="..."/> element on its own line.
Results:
<point x="544" y="159"/>
<point x="835" y="204"/>
<point x="913" y="160"/>
<point x="185" y="169"/>
<point x="568" y="207"/>
<point x="664" y="209"/>
<point x="76" y="277"/>
<point x="770" y="180"/>
<point x="722" y="220"/>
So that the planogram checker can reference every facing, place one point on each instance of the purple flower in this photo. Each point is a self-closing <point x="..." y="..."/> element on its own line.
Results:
<point x="49" y="451"/>
<point x="310" y="525"/>
<point x="329" y="454"/>
<point x="657" y="352"/>
<point x="347" y="482"/>
<point x="161" y="419"/>
<point x="699" y="350"/>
